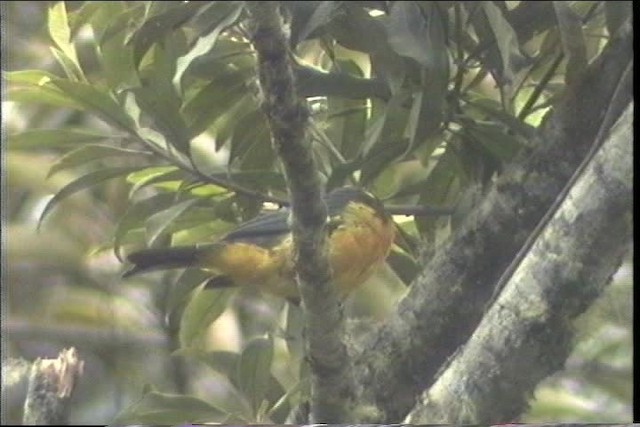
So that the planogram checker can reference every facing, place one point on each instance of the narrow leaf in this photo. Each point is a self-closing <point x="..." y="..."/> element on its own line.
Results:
<point x="204" y="45"/>
<point x="178" y="296"/>
<point x="70" y="68"/>
<point x="158" y="223"/>
<point x="154" y="175"/>
<point x="164" y="409"/>
<point x="136" y="215"/>
<point x="82" y="183"/>
<point x="573" y="40"/>
<point x="36" y="87"/>
<point x="29" y="77"/>
<point x="61" y="35"/>
<point x="90" y="153"/>
<point x="53" y="138"/>
<point x="156" y="28"/>
<point x="322" y="15"/>
<point x="254" y="370"/>
<point x="408" y="31"/>
<point x="96" y="101"/>
<point x="204" y="307"/>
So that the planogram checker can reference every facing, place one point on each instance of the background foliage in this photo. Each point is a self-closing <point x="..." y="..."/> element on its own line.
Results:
<point x="131" y="124"/>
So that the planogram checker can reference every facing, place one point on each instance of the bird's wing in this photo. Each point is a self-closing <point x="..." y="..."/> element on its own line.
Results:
<point x="276" y="223"/>
<point x="264" y="225"/>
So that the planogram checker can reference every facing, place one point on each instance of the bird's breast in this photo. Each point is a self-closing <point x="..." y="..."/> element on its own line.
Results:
<point x="357" y="250"/>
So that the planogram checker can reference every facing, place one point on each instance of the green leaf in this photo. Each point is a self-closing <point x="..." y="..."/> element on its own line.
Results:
<point x="29" y="77"/>
<point x="204" y="307"/>
<point x="197" y="226"/>
<point x="223" y="362"/>
<point x="144" y="175"/>
<point x="90" y="153"/>
<point x="495" y="139"/>
<point x="404" y="265"/>
<point x="493" y="110"/>
<point x="164" y="177"/>
<point x="409" y="32"/>
<point x="255" y="179"/>
<point x="58" y="25"/>
<point x="35" y="86"/>
<point x="117" y="63"/>
<point x="163" y="105"/>
<point x="348" y="29"/>
<point x="324" y="12"/>
<point x="616" y="13"/>
<point x="385" y="141"/>
<point x="157" y="224"/>
<point x="70" y="68"/>
<point x="156" y="28"/>
<point x="82" y="183"/>
<point x="226" y="54"/>
<point x="424" y="119"/>
<point x="347" y="117"/>
<point x="205" y="43"/>
<point x="254" y="370"/>
<point x="499" y="40"/>
<point x="217" y="99"/>
<point x="340" y="173"/>
<point x="164" y="408"/>
<point x="226" y="363"/>
<point x="227" y="123"/>
<point x="428" y="107"/>
<point x="573" y="40"/>
<point x="505" y="38"/>
<point x="42" y="139"/>
<point x="82" y="15"/>
<point x="61" y="35"/>
<point x="113" y="18"/>
<point x="136" y="215"/>
<point x="210" y="17"/>
<point x="250" y="130"/>
<point x="387" y="126"/>
<point x="96" y="101"/>
<point x="261" y="154"/>
<point x="178" y="295"/>
<point x="435" y="189"/>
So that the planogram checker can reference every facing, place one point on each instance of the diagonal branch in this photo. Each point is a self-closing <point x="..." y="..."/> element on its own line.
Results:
<point x="528" y="329"/>
<point x="448" y="299"/>
<point x="332" y="384"/>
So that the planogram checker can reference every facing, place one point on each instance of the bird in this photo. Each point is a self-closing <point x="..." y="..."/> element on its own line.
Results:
<point x="259" y="252"/>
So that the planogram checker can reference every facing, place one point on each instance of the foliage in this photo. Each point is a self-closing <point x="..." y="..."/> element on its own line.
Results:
<point x="153" y="107"/>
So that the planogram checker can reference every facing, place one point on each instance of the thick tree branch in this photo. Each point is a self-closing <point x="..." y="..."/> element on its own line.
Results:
<point x="447" y="300"/>
<point x="527" y="334"/>
<point x="332" y="385"/>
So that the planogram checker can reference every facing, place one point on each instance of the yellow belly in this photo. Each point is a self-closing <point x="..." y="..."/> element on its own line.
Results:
<point x="355" y="252"/>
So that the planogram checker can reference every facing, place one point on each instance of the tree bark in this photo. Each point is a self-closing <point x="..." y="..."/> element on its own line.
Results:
<point x="447" y="300"/>
<point x="332" y="381"/>
<point x="527" y="333"/>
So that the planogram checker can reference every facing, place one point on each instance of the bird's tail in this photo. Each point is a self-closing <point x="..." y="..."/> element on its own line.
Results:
<point x="164" y="259"/>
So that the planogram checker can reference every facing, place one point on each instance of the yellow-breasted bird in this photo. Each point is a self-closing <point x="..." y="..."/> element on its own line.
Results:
<point x="259" y="252"/>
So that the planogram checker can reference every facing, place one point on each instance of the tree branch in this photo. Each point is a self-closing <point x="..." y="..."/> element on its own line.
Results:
<point x="332" y="385"/>
<point x="17" y="329"/>
<point x="51" y="383"/>
<point x="528" y="329"/>
<point x="447" y="300"/>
